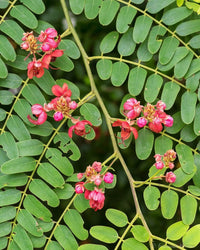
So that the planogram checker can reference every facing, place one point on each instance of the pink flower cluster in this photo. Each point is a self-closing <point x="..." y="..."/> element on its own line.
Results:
<point x="93" y="175"/>
<point x="62" y="105"/>
<point x="166" y="161"/>
<point x="153" y="115"/>
<point x="46" y="42"/>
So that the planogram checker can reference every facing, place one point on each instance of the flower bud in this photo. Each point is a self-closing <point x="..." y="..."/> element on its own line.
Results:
<point x="159" y="165"/>
<point x="58" y="116"/>
<point x="80" y="175"/>
<point x="73" y="105"/>
<point x="108" y="177"/>
<point x="170" y="177"/>
<point x="141" y="122"/>
<point x="79" y="187"/>
<point x="168" y="121"/>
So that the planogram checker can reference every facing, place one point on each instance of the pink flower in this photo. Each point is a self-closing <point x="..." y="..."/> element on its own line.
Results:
<point x="170" y="177"/>
<point x="161" y="106"/>
<point x="141" y="122"/>
<point x="58" y="116"/>
<point x="96" y="199"/>
<point x="39" y="112"/>
<point x="171" y="165"/>
<point x="79" y="187"/>
<point x="87" y="194"/>
<point x="80" y="175"/>
<point x="156" y="125"/>
<point x="126" y="129"/>
<point x="46" y="35"/>
<point x="51" y="57"/>
<point x="73" y="105"/>
<point x="130" y="103"/>
<point x="108" y="177"/>
<point x="159" y="165"/>
<point x="79" y="128"/>
<point x="61" y="91"/>
<point x="97" y="180"/>
<point x="97" y="166"/>
<point x="168" y="122"/>
<point x="158" y="157"/>
<point x="132" y="108"/>
<point x="35" y="68"/>
<point x="25" y="46"/>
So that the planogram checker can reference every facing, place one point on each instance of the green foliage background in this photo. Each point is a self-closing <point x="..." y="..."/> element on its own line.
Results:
<point x="114" y="49"/>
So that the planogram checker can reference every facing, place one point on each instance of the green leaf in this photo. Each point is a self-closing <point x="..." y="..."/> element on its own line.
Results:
<point x="181" y="67"/>
<point x="13" y="180"/>
<point x="116" y="217"/>
<point x="188" y="27"/>
<point x="188" y="209"/>
<point x="19" y="63"/>
<point x="26" y="220"/>
<point x="30" y="147"/>
<point x="177" y="125"/>
<point x="6" y="97"/>
<point x="65" y="192"/>
<point x="23" y="108"/>
<point x="37" y="6"/>
<point x="60" y="162"/>
<point x="43" y="130"/>
<point x="35" y="207"/>
<point x="131" y="243"/>
<point x="33" y="94"/>
<point x="53" y="245"/>
<point x="10" y="196"/>
<point x="80" y="203"/>
<point x="46" y="82"/>
<point x="168" y="49"/>
<point x="3" y="114"/>
<point x="188" y="111"/>
<point x="194" y="190"/>
<point x="142" y="23"/>
<point x="125" y="18"/>
<point x="194" y="68"/>
<point x="195" y="7"/>
<point x="3" y="73"/>
<point x="42" y="25"/>
<point x="169" y="94"/>
<point x="108" y="11"/>
<point x="144" y="144"/>
<point x="38" y="242"/>
<point x="192" y="237"/>
<point x="92" y="8"/>
<point x="19" y="234"/>
<point x="19" y="165"/>
<point x="7" y="213"/>
<point x="92" y="247"/>
<point x="104" y="233"/>
<point x="162" y="144"/>
<point x="13" y="30"/>
<point x="70" y="48"/>
<point x="43" y="191"/>
<point x="169" y="203"/>
<point x="17" y="128"/>
<point x="25" y="16"/>
<point x="64" y="63"/>
<point x="176" y="230"/>
<point x="65" y="238"/>
<point x="4" y="4"/>
<point x="75" y="222"/>
<point x="91" y="113"/>
<point x="77" y="6"/>
<point x="153" y="42"/>
<point x="182" y="178"/>
<point x="153" y="6"/>
<point x="151" y="197"/>
<point x="3" y="242"/>
<point x="6" y="49"/>
<point x="9" y="145"/>
<point x="140" y="233"/>
<point x="179" y="2"/>
<point x="109" y="41"/>
<point x="5" y="228"/>
<point x="185" y="157"/>
<point x="195" y="42"/>
<point x="192" y="82"/>
<point x="197" y="120"/>
<point x="143" y="53"/>
<point x="136" y="80"/>
<point x="14" y="246"/>
<point x="126" y="45"/>
<point x="187" y="133"/>
<point x="175" y="15"/>
<point x="119" y="73"/>
<point x="152" y="87"/>
<point x="12" y="81"/>
<point x="48" y="173"/>
<point x="104" y="68"/>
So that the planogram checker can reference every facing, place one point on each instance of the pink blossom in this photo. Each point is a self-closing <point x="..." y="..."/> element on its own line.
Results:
<point x="159" y="165"/>
<point x="46" y="47"/>
<point x="171" y="165"/>
<point x="46" y="35"/>
<point x="79" y="187"/>
<point x="161" y="106"/>
<point x="35" y="68"/>
<point x="132" y="108"/>
<point x="61" y="91"/>
<point x="97" y="166"/>
<point x="25" y="46"/>
<point x="96" y="199"/>
<point x="80" y="175"/>
<point x="39" y="112"/>
<point x="108" y="177"/>
<point x="58" y="116"/>
<point x="155" y="125"/>
<point x="51" y="57"/>
<point x="73" y="105"/>
<point x="170" y="177"/>
<point x="130" y="103"/>
<point x="97" y="180"/>
<point x="141" y="122"/>
<point x="158" y="157"/>
<point x="79" y="128"/>
<point x="168" y="122"/>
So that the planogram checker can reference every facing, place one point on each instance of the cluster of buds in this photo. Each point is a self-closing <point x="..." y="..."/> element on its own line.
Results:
<point x="153" y="116"/>
<point x="47" y="42"/>
<point x="93" y="175"/>
<point x="62" y="105"/>
<point x="166" y="161"/>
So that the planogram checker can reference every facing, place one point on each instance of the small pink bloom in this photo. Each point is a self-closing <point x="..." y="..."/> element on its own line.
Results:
<point x="129" y="104"/>
<point x="156" y="125"/>
<point x="51" y="57"/>
<point x="108" y="177"/>
<point x="80" y="175"/>
<point x="73" y="105"/>
<point x="79" y="187"/>
<point x="35" y="68"/>
<point x="97" y="180"/>
<point x="96" y="199"/>
<point x="48" y="33"/>
<point x="58" y="116"/>
<point x="79" y="128"/>
<point x="39" y="112"/>
<point x="158" y="157"/>
<point x="87" y="194"/>
<point x="61" y="91"/>
<point x="159" y="165"/>
<point x="45" y="47"/>
<point x="141" y="122"/>
<point x="168" y="122"/>
<point x="25" y="46"/>
<point x="97" y="166"/>
<point x="161" y="105"/>
<point x="171" y="165"/>
<point x="170" y="177"/>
